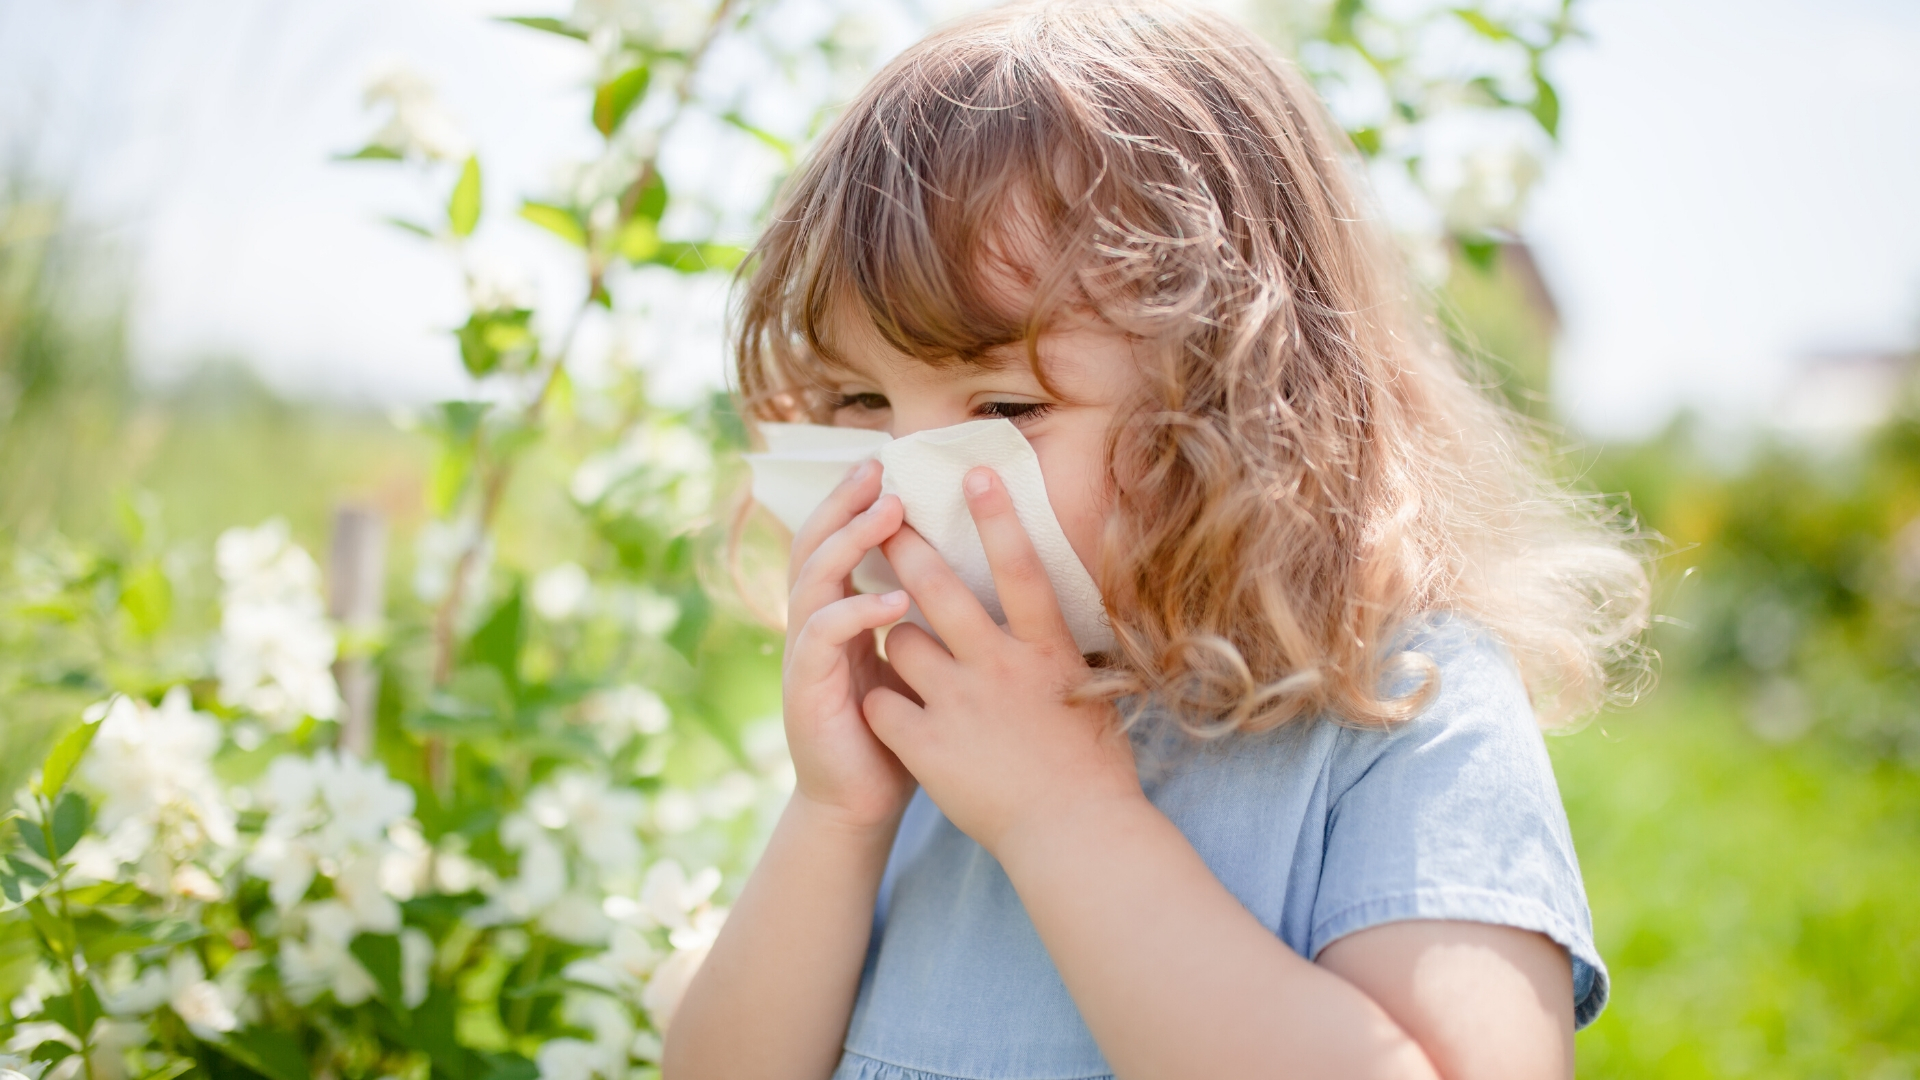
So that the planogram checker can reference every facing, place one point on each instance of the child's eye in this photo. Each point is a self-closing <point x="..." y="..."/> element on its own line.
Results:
<point x="870" y="402"/>
<point x="1016" y="411"/>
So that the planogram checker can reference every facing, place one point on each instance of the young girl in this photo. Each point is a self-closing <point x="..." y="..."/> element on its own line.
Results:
<point x="1299" y="821"/>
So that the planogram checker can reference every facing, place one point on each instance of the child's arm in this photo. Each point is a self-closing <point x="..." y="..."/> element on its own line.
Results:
<point x="774" y="996"/>
<point x="1174" y="977"/>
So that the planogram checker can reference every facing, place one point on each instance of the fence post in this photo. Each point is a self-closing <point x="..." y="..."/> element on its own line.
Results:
<point x="356" y="599"/>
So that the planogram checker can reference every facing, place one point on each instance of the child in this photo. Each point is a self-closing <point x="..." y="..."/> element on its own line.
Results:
<point x="1299" y="820"/>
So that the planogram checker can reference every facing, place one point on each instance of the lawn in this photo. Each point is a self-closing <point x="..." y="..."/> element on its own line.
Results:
<point x="1755" y="903"/>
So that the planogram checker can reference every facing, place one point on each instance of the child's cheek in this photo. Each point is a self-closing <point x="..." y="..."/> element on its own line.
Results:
<point x="1077" y="490"/>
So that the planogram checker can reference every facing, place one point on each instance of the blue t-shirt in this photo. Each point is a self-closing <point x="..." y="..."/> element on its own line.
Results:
<point x="1319" y="829"/>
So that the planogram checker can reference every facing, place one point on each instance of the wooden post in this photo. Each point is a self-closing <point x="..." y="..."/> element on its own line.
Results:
<point x="356" y="599"/>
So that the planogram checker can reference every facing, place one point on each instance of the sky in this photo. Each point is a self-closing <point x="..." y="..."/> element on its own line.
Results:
<point x="1737" y="188"/>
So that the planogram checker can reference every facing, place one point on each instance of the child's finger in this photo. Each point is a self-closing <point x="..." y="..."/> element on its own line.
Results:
<point x="853" y="494"/>
<point x="816" y="648"/>
<point x="946" y="601"/>
<point x="891" y="717"/>
<point x="917" y="658"/>
<point x="1026" y="593"/>
<point x="820" y="580"/>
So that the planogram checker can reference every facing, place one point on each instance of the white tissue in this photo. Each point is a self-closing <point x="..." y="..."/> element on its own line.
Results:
<point x="804" y="462"/>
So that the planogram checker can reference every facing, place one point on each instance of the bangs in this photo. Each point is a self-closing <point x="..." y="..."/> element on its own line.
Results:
<point x="943" y="223"/>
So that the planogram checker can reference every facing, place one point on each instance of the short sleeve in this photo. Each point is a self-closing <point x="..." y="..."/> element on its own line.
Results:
<point x="1456" y="815"/>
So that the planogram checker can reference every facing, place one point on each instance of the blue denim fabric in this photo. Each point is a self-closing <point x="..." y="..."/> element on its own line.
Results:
<point x="1320" y="830"/>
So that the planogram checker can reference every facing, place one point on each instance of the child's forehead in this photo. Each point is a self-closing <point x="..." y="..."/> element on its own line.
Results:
<point x="853" y="346"/>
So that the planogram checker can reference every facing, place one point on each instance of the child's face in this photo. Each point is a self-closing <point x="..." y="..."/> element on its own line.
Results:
<point x="1090" y="365"/>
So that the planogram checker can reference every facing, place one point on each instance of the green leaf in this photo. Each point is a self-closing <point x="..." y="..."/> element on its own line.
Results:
<point x="1546" y="106"/>
<point x="1486" y="27"/>
<point x="548" y="24"/>
<point x="61" y="1010"/>
<point x="273" y="1054"/>
<point x="616" y="97"/>
<point x="51" y="1050"/>
<point x="370" y="152"/>
<point x="434" y="1031"/>
<point x="1480" y="252"/>
<point x="695" y="258"/>
<point x="463" y="207"/>
<point x="653" y="196"/>
<point x="64" y="756"/>
<point x="490" y="339"/>
<point x="451" y="469"/>
<point x="108" y="894"/>
<point x="147" y="597"/>
<point x="639" y="240"/>
<point x="32" y="836"/>
<point x="380" y="955"/>
<point x="557" y="220"/>
<point x="1367" y="140"/>
<point x="497" y="643"/>
<point x="509" y="1067"/>
<point x="413" y="227"/>
<point x="71" y="816"/>
<point x="768" y="139"/>
<point x="102" y="938"/>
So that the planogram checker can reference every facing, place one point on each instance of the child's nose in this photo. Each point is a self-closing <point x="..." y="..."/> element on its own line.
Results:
<point x="910" y="419"/>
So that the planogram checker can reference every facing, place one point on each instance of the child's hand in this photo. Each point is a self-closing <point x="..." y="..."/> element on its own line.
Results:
<point x="996" y="745"/>
<point x="830" y="663"/>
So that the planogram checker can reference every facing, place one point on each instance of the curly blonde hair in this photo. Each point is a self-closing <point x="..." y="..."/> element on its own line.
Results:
<point x="1309" y="473"/>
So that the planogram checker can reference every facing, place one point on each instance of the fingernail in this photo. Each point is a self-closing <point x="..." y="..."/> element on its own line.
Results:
<point x="894" y="598"/>
<point x="863" y="470"/>
<point x="979" y="481"/>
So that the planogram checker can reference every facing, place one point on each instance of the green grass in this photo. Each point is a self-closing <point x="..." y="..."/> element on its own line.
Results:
<point x="1756" y="904"/>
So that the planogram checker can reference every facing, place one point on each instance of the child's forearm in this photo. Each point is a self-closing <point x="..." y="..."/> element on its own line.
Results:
<point x="1174" y="977"/>
<point x="775" y="994"/>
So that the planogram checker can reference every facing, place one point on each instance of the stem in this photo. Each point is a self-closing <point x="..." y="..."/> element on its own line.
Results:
<point x="74" y="984"/>
<point x="495" y="484"/>
<point x="493" y="487"/>
<point x="523" y="1005"/>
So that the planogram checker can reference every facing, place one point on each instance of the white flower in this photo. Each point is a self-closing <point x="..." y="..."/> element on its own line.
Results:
<point x="357" y="887"/>
<point x="418" y="126"/>
<point x="321" y="960"/>
<point x="361" y="799"/>
<point x="675" y="811"/>
<point x="336" y="814"/>
<point x="577" y="917"/>
<point x="624" y="967"/>
<point x="659" y="470"/>
<point x="152" y="768"/>
<point x="198" y="1002"/>
<point x="671" y="979"/>
<point x="196" y="884"/>
<point x="494" y="285"/>
<point x="729" y="796"/>
<point x="603" y="820"/>
<point x="669" y="897"/>
<point x="621" y="712"/>
<point x="14" y="1067"/>
<point x="181" y="985"/>
<point x="405" y="868"/>
<point x="541" y="880"/>
<point x="561" y="592"/>
<point x="276" y="650"/>
<point x="568" y="1059"/>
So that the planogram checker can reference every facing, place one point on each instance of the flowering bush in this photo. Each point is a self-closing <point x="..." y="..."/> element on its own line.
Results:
<point x="215" y="889"/>
<point x="509" y="861"/>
